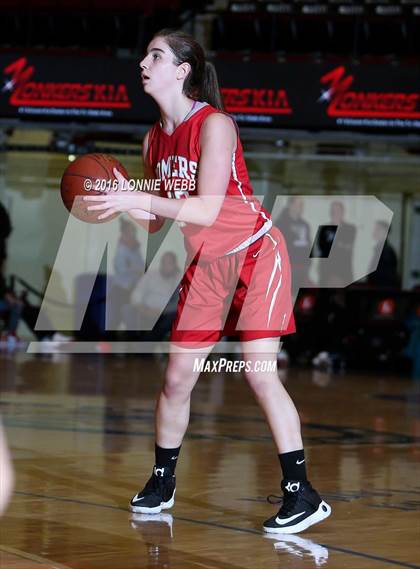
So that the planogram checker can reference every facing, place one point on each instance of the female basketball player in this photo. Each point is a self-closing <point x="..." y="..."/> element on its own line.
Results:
<point x="235" y="258"/>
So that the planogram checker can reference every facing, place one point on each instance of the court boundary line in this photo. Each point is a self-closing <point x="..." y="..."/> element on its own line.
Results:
<point x="310" y="440"/>
<point x="404" y="438"/>
<point x="335" y="548"/>
<point x="32" y="557"/>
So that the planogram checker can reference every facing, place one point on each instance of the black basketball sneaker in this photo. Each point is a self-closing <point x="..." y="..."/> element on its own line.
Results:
<point x="302" y="507"/>
<point x="157" y="495"/>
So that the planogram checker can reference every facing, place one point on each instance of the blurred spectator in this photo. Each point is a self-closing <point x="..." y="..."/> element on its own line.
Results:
<point x="5" y="230"/>
<point x="38" y="321"/>
<point x="30" y="313"/>
<point x="297" y="234"/>
<point x="333" y="318"/>
<point x="412" y="350"/>
<point x="339" y="272"/>
<point x="10" y="311"/>
<point x="386" y="274"/>
<point x="128" y="268"/>
<point x="157" y="285"/>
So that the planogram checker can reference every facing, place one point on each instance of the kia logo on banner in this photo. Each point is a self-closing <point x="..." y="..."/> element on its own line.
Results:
<point x="265" y="101"/>
<point x="342" y="101"/>
<point x="26" y="92"/>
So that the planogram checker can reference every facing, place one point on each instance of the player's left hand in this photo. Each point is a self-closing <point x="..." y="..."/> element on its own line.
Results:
<point x="119" y="200"/>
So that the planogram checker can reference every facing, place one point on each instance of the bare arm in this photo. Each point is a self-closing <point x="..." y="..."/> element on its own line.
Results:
<point x="218" y="142"/>
<point x="152" y="225"/>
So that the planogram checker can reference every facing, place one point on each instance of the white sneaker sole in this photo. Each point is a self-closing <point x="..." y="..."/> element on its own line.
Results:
<point x="323" y="511"/>
<point x="156" y="510"/>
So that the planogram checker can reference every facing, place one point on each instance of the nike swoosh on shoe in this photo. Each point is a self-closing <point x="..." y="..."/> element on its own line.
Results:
<point x="284" y="521"/>
<point x="137" y="499"/>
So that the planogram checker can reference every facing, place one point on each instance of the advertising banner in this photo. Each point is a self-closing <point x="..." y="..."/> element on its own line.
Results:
<point x="323" y="96"/>
<point x="301" y="95"/>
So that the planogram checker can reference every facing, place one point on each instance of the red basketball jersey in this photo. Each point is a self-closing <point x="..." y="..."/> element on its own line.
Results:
<point x="241" y="220"/>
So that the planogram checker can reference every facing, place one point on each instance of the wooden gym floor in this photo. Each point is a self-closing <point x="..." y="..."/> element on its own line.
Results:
<point x="81" y="432"/>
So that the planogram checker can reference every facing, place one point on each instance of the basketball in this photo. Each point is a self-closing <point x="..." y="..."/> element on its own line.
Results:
<point x="90" y="174"/>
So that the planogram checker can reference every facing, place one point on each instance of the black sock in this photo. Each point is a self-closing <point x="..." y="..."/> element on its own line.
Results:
<point x="166" y="457"/>
<point x="293" y="465"/>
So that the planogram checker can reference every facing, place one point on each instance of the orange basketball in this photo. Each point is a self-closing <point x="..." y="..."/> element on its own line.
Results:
<point x="89" y="175"/>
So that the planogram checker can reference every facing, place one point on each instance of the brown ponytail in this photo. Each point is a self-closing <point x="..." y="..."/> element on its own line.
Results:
<point x="210" y="90"/>
<point x="201" y="83"/>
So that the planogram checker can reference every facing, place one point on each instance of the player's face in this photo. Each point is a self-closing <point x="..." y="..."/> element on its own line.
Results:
<point x="158" y="71"/>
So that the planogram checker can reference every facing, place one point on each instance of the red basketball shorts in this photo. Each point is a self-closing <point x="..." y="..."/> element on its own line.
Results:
<point x="246" y="294"/>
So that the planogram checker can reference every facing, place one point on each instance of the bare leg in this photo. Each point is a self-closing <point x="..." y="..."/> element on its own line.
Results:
<point x="171" y="421"/>
<point x="302" y="506"/>
<point x="278" y="407"/>
<point x="173" y="405"/>
<point x="6" y="472"/>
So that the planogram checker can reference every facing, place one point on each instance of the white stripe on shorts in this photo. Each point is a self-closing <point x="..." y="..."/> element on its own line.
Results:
<point x="277" y="265"/>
